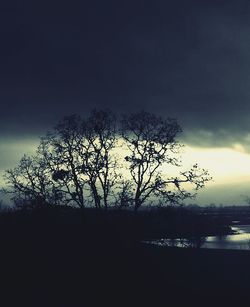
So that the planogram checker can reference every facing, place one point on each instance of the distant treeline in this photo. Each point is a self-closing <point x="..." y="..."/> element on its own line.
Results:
<point x="234" y="214"/>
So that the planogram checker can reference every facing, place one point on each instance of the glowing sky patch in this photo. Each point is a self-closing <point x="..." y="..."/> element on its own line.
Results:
<point x="225" y="165"/>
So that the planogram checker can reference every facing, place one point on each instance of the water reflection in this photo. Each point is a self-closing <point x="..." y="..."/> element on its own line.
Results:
<point x="239" y="240"/>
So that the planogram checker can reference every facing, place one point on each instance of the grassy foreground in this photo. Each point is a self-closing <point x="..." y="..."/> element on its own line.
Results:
<point x="60" y="264"/>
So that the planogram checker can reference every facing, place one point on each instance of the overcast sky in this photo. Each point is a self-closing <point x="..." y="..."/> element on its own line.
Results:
<point x="183" y="59"/>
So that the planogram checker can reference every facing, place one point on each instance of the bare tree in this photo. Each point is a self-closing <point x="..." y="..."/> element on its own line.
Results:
<point x="99" y="160"/>
<point x="30" y="183"/>
<point x="152" y="143"/>
<point x="79" y="155"/>
<point x="124" y="195"/>
<point x="60" y="150"/>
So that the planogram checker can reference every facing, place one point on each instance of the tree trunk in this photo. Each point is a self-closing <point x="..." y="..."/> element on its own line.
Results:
<point x="137" y="204"/>
<point x="96" y="196"/>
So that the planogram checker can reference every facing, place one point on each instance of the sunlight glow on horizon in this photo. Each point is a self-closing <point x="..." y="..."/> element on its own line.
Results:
<point x="225" y="165"/>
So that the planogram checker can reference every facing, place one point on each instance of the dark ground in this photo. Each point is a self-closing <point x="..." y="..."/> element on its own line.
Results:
<point x="55" y="264"/>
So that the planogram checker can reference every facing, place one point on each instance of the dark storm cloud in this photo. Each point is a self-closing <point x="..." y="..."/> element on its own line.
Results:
<point x="218" y="138"/>
<point x="185" y="59"/>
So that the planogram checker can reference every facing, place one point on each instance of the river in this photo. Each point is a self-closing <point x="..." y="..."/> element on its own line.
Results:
<point x="239" y="240"/>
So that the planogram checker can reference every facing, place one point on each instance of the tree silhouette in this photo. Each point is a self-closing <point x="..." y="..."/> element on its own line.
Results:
<point x="98" y="161"/>
<point x="78" y="154"/>
<point x="31" y="183"/>
<point x="152" y="143"/>
<point x="59" y="149"/>
<point x="124" y="196"/>
<point x="78" y="161"/>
